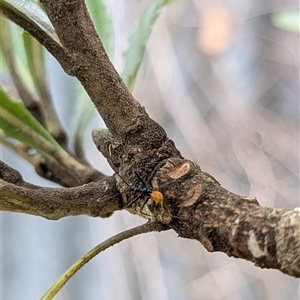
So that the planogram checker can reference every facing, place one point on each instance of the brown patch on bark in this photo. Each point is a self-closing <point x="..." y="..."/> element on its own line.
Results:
<point x="181" y="171"/>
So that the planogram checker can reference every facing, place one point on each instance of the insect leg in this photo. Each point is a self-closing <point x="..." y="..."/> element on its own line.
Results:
<point x="140" y="178"/>
<point x="145" y="202"/>
<point x="134" y="200"/>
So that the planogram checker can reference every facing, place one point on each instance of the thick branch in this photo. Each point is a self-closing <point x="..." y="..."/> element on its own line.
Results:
<point x="122" y="114"/>
<point x="193" y="203"/>
<point x="94" y="199"/>
<point x="236" y="225"/>
<point x="197" y="207"/>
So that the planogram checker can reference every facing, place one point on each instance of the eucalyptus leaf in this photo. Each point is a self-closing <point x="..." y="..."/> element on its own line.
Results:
<point x="18" y="123"/>
<point x="12" y="48"/>
<point x="31" y="11"/>
<point x="81" y="120"/>
<point x="137" y="42"/>
<point x="35" y="58"/>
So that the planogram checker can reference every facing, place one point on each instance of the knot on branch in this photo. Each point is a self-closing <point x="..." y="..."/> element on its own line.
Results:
<point x="153" y="182"/>
<point x="123" y="155"/>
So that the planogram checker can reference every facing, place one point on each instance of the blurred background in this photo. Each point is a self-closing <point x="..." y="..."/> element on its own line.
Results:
<point x="223" y="80"/>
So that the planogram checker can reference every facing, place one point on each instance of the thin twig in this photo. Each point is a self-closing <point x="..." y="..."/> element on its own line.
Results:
<point x="148" y="227"/>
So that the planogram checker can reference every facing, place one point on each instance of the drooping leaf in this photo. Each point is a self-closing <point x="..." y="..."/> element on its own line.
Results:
<point x="35" y="58"/>
<point x="13" y="51"/>
<point x="137" y="42"/>
<point x="18" y="123"/>
<point x="3" y="64"/>
<point x="287" y="19"/>
<point x="82" y="120"/>
<point x="103" y="23"/>
<point x="32" y="12"/>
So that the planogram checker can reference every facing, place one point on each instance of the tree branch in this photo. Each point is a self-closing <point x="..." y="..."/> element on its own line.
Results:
<point x="197" y="207"/>
<point x="94" y="199"/>
<point x="122" y="114"/>
<point x="193" y="203"/>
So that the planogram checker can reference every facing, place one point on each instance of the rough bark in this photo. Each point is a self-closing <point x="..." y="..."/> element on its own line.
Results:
<point x="194" y="204"/>
<point x="94" y="199"/>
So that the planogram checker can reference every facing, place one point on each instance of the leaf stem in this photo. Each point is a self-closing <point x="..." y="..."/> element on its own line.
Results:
<point x="147" y="227"/>
<point x="47" y="148"/>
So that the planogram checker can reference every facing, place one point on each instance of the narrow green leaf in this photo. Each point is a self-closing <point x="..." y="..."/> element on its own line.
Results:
<point x="35" y="58"/>
<point x="287" y="19"/>
<point x="18" y="123"/>
<point x="3" y="65"/>
<point x="81" y="120"/>
<point x="103" y="23"/>
<point x="14" y="53"/>
<point x="137" y="42"/>
<point x="31" y="11"/>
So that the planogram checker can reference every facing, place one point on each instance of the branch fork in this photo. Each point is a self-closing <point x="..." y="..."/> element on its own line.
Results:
<point x="195" y="205"/>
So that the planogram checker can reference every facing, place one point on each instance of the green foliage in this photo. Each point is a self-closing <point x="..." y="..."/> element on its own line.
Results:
<point x="132" y="58"/>
<point x="287" y="19"/>
<point x="28" y="57"/>
<point x="137" y="42"/>
<point x="32" y="12"/>
<point x="35" y="59"/>
<point x="10" y="36"/>
<point x="81" y="121"/>
<point x="17" y="122"/>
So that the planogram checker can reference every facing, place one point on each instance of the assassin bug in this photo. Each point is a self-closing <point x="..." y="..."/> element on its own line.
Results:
<point x="145" y="192"/>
